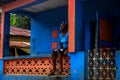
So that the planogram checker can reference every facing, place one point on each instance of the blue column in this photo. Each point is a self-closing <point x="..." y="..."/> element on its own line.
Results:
<point x="78" y="25"/>
<point x="77" y="58"/>
<point x="117" y="54"/>
<point x="1" y="69"/>
<point x="77" y="66"/>
<point x="6" y="34"/>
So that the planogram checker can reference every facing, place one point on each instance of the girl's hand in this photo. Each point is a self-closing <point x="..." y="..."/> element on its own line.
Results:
<point x="66" y="52"/>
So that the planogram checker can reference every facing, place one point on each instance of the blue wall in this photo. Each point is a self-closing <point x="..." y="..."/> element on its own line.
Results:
<point x="116" y="35"/>
<point x="35" y="77"/>
<point x="78" y="26"/>
<point x="42" y="23"/>
<point x="77" y="66"/>
<point x="6" y="39"/>
<point x="41" y="26"/>
<point x="1" y="69"/>
<point x="108" y="8"/>
<point x="118" y="65"/>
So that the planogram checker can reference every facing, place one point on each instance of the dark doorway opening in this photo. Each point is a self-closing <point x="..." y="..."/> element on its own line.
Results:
<point x="92" y="34"/>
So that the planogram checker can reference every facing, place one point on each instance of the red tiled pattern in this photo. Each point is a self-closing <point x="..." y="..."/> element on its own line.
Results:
<point x="34" y="66"/>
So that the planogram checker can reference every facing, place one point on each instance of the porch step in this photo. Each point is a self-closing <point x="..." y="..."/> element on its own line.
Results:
<point x="28" y="77"/>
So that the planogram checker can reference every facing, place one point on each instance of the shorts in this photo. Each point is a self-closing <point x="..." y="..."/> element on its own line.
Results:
<point x="61" y="50"/>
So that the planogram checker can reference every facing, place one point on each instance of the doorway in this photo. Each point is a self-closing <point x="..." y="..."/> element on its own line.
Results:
<point x="101" y="62"/>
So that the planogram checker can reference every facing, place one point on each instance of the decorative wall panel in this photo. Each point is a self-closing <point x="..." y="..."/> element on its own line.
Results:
<point x="34" y="66"/>
<point x="102" y="65"/>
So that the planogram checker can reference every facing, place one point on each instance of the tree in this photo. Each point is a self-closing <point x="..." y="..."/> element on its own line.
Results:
<point x="12" y="19"/>
<point x="19" y="21"/>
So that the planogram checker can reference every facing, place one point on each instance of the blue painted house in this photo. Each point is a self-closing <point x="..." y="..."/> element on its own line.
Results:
<point x="94" y="41"/>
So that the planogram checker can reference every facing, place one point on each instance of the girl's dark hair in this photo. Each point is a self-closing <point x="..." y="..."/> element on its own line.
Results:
<point x="66" y="26"/>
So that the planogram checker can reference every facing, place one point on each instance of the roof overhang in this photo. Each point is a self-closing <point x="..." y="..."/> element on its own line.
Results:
<point x="5" y="2"/>
<point x="46" y="5"/>
<point x="37" y="5"/>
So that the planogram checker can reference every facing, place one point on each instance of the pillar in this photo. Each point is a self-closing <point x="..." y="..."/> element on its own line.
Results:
<point x="5" y="34"/>
<point x="75" y="24"/>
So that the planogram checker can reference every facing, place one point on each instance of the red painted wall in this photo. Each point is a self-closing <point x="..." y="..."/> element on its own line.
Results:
<point x="105" y="30"/>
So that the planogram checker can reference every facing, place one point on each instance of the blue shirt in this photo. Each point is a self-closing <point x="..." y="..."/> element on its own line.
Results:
<point x="64" y="40"/>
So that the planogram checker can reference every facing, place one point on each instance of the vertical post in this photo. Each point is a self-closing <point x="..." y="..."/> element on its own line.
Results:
<point x="75" y="25"/>
<point x="16" y="54"/>
<point x="71" y="24"/>
<point x="78" y="25"/>
<point x="1" y="34"/>
<point x="97" y="33"/>
<point x="1" y="70"/>
<point x="5" y="35"/>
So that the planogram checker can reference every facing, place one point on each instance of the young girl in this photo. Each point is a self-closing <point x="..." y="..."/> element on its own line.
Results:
<point x="59" y="53"/>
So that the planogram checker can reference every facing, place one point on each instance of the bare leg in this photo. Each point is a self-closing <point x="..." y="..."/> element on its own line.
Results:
<point x="54" y="61"/>
<point x="60" y="60"/>
<point x="54" y="55"/>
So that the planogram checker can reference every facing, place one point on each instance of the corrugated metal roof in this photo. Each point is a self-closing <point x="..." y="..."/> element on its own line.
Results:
<point x="19" y="44"/>
<point x="47" y="5"/>
<point x="19" y="31"/>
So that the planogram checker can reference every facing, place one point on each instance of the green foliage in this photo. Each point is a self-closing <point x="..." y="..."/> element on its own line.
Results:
<point x="20" y="21"/>
<point x="12" y="19"/>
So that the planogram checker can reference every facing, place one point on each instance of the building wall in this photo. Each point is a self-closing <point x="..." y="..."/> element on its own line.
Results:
<point x="108" y="10"/>
<point x="41" y="29"/>
<point x="77" y="66"/>
<point x="118" y="64"/>
<point x="93" y="9"/>
<point x="27" y="77"/>
<point x="6" y="37"/>
<point x="1" y="70"/>
<point x="42" y="23"/>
